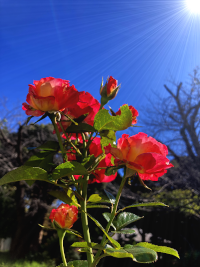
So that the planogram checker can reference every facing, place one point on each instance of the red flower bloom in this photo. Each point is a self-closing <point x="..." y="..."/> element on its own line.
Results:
<point x="65" y="215"/>
<point x="86" y="104"/>
<point x="134" y="113"/>
<point x="99" y="175"/>
<point x="110" y="89"/>
<point x="143" y="154"/>
<point x="49" y="94"/>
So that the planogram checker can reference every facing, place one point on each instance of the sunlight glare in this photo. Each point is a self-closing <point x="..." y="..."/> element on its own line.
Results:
<point x="193" y="6"/>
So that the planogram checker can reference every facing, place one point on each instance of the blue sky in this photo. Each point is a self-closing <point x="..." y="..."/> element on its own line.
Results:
<point x="142" y="44"/>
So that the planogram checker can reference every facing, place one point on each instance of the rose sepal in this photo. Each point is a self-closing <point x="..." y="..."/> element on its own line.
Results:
<point x="64" y="230"/>
<point x="106" y="98"/>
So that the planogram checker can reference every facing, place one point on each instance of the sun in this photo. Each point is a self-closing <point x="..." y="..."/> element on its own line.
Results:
<point x="193" y="6"/>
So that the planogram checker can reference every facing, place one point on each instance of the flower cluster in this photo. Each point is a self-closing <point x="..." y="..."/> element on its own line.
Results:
<point x="86" y="133"/>
<point x="140" y="153"/>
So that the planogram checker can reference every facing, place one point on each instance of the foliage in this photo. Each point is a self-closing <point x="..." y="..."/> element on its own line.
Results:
<point x="87" y="158"/>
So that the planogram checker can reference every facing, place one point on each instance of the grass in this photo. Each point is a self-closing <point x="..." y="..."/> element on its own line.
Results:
<point x="6" y="262"/>
<point x="25" y="264"/>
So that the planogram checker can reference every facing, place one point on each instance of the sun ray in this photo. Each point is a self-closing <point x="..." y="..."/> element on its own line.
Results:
<point x="193" y="6"/>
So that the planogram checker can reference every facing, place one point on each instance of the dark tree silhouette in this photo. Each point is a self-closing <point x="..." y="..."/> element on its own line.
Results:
<point x="25" y="206"/>
<point x="175" y="120"/>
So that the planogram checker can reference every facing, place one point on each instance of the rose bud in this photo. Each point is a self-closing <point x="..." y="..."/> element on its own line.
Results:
<point x="109" y="90"/>
<point x="65" y="215"/>
<point x="49" y="95"/>
<point x="143" y="154"/>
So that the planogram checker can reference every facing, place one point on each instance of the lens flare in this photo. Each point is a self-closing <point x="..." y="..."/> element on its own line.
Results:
<point x="193" y="6"/>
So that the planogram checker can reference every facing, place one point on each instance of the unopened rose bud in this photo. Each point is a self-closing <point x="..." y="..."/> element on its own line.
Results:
<point x="64" y="216"/>
<point x="109" y="90"/>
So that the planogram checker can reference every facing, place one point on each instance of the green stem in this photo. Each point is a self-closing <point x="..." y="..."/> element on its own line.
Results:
<point x="84" y="218"/>
<point x="70" y="119"/>
<point x="97" y="161"/>
<point x="84" y="145"/>
<point x="61" y="234"/>
<point x="68" y="140"/>
<point x="111" y="218"/>
<point x="52" y="118"/>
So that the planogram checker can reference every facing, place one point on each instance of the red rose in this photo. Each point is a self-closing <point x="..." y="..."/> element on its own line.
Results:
<point x="49" y="94"/>
<point x="86" y="104"/>
<point x="99" y="175"/>
<point x="110" y="89"/>
<point x="65" y="215"/>
<point x="134" y="113"/>
<point x="143" y="154"/>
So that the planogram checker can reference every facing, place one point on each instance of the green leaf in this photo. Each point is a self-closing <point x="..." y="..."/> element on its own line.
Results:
<point x="107" y="216"/>
<point x="162" y="249"/>
<point x="87" y="162"/>
<point x="46" y="228"/>
<point x="47" y="164"/>
<point x="41" y="118"/>
<point x="124" y="219"/>
<point x="104" y="199"/>
<point x="67" y="169"/>
<point x="50" y="145"/>
<point x="84" y="250"/>
<point x="63" y="196"/>
<point x="150" y="204"/>
<point x="24" y="173"/>
<point x="113" y="242"/>
<point x="30" y="182"/>
<point x="29" y="118"/>
<point x="107" y="137"/>
<point x="61" y="231"/>
<point x="80" y="128"/>
<point x="71" y="194"/>
<point x="94" y="198"/>
<point x="125" y="231"/>
<point x="118" y="253"/>
<point x="87" y="245"/>
<point x="73" y="232"/>
<point x="78" y="263"/>
<point x="92" y="206"/>
<point x="110" y="196"/>
<point x="36" y="159"/>
<point x="41" y="159"/>
<point x="141" y="254"/>
<point x="104" y="121"/>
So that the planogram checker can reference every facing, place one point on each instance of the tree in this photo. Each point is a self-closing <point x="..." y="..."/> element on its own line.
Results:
<point x="175" y="120"/>
<point x="27" y="204"/>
